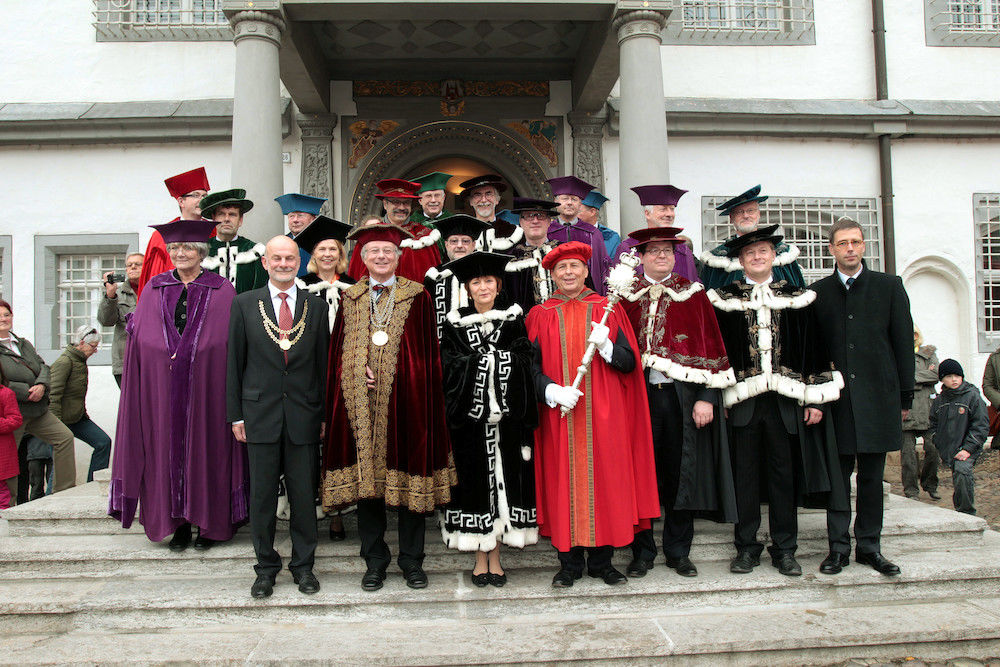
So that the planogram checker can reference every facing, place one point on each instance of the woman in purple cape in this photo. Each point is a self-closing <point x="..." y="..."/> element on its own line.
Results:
<point x="175" y="456"/>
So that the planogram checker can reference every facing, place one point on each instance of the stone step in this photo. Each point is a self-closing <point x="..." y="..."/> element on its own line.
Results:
<point x="908" y="526"/>
<point x="165" y="602"/>
<point x="780" y="635"/>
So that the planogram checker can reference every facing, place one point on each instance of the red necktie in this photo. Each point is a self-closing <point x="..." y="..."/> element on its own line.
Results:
<point x="284" y="318"/>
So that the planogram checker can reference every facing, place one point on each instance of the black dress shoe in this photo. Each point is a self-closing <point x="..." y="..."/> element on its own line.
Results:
<point x="787" y="565"/>
<point x="638" y="568"/>
<point x="262" y="587"/>
<point x="307" y="581"/>
<point x="611" y="576"/>
<point x="181" y="539"/>
<point x="834" y="563"/>
<point x="878" y="563"/>
<point x="683" y="566"/>
<point x="744" y="563"/>
<point x="934" y="494"/>
<point x="372" y="581"/>
<point x="564" y="578"/>
<point x="337" y="534"/>
<point x="203" y="543"/>
<point x="481" y="580"/>
<point x="415" y="577"/>
<point x="497" y="580"/>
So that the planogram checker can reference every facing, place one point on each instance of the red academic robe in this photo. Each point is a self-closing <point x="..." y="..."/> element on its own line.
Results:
<point x="594" y="470"/>
<point x="419" y="254"/>
<point x="156" y="260"/>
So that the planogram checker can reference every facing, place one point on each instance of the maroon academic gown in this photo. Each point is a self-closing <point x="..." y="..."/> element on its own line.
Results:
<point x="419" y="254"/>
<point x="595" y="477"/>
<point x="175" y="454"/>
<point x="599" y="263"/>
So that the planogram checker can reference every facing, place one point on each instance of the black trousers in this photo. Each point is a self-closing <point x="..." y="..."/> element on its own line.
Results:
<point x="298" y="462"/>
<point x="868" y="506"/>
<point x="38" y="475"/>
<point x="668" y="442"/>
<point x="598" y="559"/>
<point x="764" y="445"/>
<point x="371" y="528"/>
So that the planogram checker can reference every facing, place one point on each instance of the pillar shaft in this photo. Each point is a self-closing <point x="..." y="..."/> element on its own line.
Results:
<point x="256" y="160"/>
<point x="642" y="121"/>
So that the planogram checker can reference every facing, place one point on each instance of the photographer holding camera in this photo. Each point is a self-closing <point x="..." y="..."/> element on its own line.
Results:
<point x="119" y="300"/>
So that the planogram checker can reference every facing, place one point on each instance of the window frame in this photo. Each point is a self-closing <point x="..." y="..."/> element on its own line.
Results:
<point x="796" y="27"/>
<point x="48" y="248"/>
<point x="118" y="21"/>
<point x="983" y="203"/>
<point x="939" y="24"/>
<point x="6" y="268"/>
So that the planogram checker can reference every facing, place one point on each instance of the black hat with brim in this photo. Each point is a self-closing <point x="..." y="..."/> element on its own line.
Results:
<point x="524" y="204"/>
<point x="753" y="194"/>
<point x="462" y="224"/>
<point x="734" y="245"/>
<point x="322" y="229"/>
<point x="235" y="197"/>
<point x="477" y="265"/>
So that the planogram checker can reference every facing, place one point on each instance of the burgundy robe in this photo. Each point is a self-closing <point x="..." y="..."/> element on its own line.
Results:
<point x="175" y="455"/>
<point x="599" y="263"/>
<point x="683" y="259"/>
<point x="419" y="254"/>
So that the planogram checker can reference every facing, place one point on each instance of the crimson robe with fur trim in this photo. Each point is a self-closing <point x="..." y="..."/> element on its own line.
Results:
<point x="594" y="470"/>
<point x="419" y="254"/>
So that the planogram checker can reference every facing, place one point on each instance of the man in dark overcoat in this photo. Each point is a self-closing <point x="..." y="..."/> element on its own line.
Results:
<point x="866" y="324"/>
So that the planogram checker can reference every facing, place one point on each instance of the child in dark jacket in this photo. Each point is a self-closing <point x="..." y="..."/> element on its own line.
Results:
<point x="959" y="426"/>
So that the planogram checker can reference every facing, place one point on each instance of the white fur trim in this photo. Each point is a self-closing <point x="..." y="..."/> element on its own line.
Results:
<point x="761" y="296"/>
<point x="521" y="264"/>
<point x="805" y="394"/>
<point x="732" y="264"/>
<point x="482" y="318"/>
<point x="788" y="256"/>
<point x="683" y="295"/>
<point x="525" y="452"/>
<point x="423" y="242"/>
<point x="494" y="243"/>
<point x="316" y="288"/>
<point x="676" y="371"/>
<point x="244" y="257"/>
<point x="436" y="275"/>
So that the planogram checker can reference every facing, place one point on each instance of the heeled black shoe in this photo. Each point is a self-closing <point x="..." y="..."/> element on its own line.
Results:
<point x="481" y="580"/>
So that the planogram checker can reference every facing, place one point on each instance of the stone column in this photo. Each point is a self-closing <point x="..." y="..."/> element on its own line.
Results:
<point x="257" y="120"/>
<point x="642" y="139"/>
<point x="317" y="157"/>
<point x="588" y="153"/>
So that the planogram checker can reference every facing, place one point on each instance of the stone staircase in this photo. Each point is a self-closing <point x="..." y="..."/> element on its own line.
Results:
<point x="76" y="588"/>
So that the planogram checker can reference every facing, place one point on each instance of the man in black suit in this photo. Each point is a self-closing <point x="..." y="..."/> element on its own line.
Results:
<point x="278" y="347"/>
<point x="865" y="321"/>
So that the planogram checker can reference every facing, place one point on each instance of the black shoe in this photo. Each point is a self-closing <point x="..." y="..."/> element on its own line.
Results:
<point x="181" y="539"/>
<point x="611" y="576"/>
<point x="934" y="494"/>
<point x="307" y="581"/>
<point x="481" y="580"/>
<point x="203" y="543"/>
<point x="262" y="587"/>
<point x="337" y="535"/>
<point x="564" y="578"/>
<point x="878" y="563"/>
<point x="834" y="563"/>
<point x="787" y="565"/>
<point x="415" y="577"/>
<point x="372" y="581"/>
<point x="683" y="566"/>
<point x="638" y="568"/>
<point x="497" y="580"/>
<point x="744" y="563"/>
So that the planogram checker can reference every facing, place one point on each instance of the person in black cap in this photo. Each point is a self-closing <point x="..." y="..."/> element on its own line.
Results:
<point x="720" y="269"/>
<point x="783" y="376"/>
<point x="486" y="362"/>
<point x="232" y="256"/>
<point x="482" y="195"/>
<point x="528" y="282"/>
<point x="459" y="233"/>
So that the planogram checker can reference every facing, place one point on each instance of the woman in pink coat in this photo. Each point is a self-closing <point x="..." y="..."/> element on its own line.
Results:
<point x="10" y="421"/>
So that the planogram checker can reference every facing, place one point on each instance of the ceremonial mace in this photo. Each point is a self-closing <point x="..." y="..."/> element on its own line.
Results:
<point x="620" y="281"/>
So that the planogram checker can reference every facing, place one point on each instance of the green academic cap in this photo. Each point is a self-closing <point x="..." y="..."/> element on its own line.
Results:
<point x="436" y="180"/>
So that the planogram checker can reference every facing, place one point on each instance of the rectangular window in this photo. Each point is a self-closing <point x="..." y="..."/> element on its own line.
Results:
<point x="987" y="217"/>
<point x="744" y="22"/>
<point x="79" y="289"/>
<point x="962" y="22"/>
<point x="6" y="288"/>
<point x="804" y="222"/>
<point x="160" y="20"/>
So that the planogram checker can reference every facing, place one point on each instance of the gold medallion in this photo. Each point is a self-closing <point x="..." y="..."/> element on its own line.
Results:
<point x="380" y="338"/>
<point x="285" y="344"/>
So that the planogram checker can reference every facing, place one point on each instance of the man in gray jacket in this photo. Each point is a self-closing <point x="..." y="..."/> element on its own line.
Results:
<point x="118" y="301"/>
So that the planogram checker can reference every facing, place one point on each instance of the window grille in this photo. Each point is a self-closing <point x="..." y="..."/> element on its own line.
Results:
<point x="160" y="20"/>
<point x="962" y="22"/>
<point x="79" y="287"/>
<point x="742" y="22"/>
<point x="804" y="222"/>
<point x="987" y="217"/>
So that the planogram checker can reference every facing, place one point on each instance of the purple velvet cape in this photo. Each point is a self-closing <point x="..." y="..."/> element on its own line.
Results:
<point x="599" y="263"/>
<point x="683" y="259"/>
<point x="175" y="455"/>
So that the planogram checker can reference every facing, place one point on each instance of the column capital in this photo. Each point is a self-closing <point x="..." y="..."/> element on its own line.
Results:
<point x="257" y="24"/>
<point x="640" y="23"/>
<point x="588" y="123"/>
<point x="316" y="125"/>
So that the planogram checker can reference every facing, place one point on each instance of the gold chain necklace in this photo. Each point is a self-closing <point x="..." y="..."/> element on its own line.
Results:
<point x="292" y="335"/>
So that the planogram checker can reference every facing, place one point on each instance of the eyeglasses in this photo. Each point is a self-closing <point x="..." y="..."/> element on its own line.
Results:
<point x="536" y="216"/>
<point x="133" y="265"/>
<point x="196" y="195"/>
<point x="451" y="240"/>
<point x="852" y="243"/>
<point x="660" y="252"/>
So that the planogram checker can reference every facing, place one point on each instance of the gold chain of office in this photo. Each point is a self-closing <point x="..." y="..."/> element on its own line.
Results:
<point x="275" y="333"/>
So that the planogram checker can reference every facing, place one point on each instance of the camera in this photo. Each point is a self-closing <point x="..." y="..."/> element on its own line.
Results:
<point x="115" y="278"/>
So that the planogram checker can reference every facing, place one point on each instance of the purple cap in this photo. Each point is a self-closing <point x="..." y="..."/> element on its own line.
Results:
<point x="186" y="231"/>
<point x="664" y="195"/>
<point x="569" y="185"/>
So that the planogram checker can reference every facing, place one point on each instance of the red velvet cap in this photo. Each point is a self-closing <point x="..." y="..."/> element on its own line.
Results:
<point x="571" y="250"/>
<point x="397" y="188"/>
<point x="189" y="181"/>
<point x="380" y="231"/>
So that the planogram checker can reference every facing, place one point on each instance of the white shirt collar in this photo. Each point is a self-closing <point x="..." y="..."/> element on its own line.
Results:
<point x="274" y="291"/>
<point x="770" y="279"/>
<point x="843" y="276"/>
<point x="655" y="282"/>
<point x="388" y="283"/>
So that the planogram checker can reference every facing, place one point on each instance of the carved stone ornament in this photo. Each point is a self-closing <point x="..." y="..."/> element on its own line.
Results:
<point x="640" y="23"/>
<point x="317" y="157"/>
<point x="436" y="88"/>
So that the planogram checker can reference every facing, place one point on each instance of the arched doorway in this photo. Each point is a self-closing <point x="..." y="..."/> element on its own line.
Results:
<point x="454" y="147"/>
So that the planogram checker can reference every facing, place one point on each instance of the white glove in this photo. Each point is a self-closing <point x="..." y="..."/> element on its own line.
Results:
<point x="599" y="337"/>
<point x="565" y="396"/>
